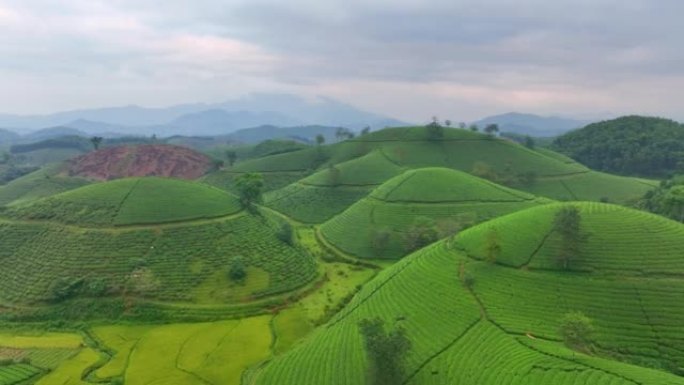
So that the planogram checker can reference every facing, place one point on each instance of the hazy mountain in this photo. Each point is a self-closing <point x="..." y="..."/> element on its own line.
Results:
<point x="533" y="125"/>
<point x="219" y="121"/>
<point x="299" y="133"/>
<point x="52" y="132"/>
<point x="7" y="137"/>
<point x="207" y="119"/>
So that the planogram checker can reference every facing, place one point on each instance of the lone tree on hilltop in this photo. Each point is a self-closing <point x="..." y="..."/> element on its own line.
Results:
<point x="237" y="272"/>
<point x="366" y="130"/>
<point x="447" y="123"/>
<point x="250" y="186"/>
<point x="567" y="224"/>
<point x="529" y="142"/>
<point x="577" y="331"/>
<point x="320" y="139"/>
<point x="492" y="129"/>
<point x="474" y="128"/>
<point x="435" y="131"/>
<point x="231" y="156"/>
<point x="386" y="352"/>
<point x="96" y="141"/>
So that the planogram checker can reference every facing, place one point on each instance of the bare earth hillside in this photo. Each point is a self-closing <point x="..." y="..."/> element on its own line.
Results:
<point x="144" y="160"/>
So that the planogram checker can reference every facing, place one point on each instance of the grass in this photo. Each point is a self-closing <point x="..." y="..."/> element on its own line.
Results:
<point x="184" y="263"/>
<point x="450" y="198"/>
<point x="45" y="182"/>
<point x="347" y="170"/>
<point x="473" y="321"/>
<point x="132" y="201"/>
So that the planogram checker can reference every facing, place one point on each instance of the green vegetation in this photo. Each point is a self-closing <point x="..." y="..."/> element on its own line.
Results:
<point x="631" y="145"/>
<point x="131" y="201"/>
<point x="474" y="321"/>
<point x="666" y="200"/>
<point x="417" y="208"/>
<point x="385" y="350"/>
<point x="45" y="182"/>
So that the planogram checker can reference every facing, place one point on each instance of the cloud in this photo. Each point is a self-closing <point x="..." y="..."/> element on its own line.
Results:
<point x="484" y="56"/>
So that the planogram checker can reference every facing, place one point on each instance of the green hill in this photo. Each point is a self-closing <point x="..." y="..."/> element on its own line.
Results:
<point x="387" y="223"/>
<point x="132" y="201"/>
<point x="348" y="170"/>
<point x="630" y="145"/>
<point x="472" y="321"/>
<point x="47" y="181"/>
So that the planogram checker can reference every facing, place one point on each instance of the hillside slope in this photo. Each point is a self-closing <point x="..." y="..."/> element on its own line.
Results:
<point x="142" y="160"/>
<point x="477" y="322"/>
<point x="131" y="201"/>
<point x="427" y="201"/>
<point x="630" y="145"/>
<point x="349" y="170"/>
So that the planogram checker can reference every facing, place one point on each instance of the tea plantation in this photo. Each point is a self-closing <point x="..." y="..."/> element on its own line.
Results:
<point x="345" y="171"/>
<point x="488" y="322"/>
<point x="385" y="223"/>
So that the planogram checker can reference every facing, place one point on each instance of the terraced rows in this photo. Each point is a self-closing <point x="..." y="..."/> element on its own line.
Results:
<point x="132" y="201"/>
<point x="504" y="328"/>
<point x="450" y="198"/>
<point x="640" y="243"/>
<point x="166" y="263"/>
<point x="17" y="373"/>
<point x="312" y="204"/>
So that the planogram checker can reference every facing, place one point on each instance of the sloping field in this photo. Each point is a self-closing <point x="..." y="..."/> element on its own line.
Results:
<point x="329" y="191"/>
<point x="42" y="183"/>
<point x="369" y="160"/>
<point x="142" y="160"/>
<point x="450" y="199"/>
<point x="132" y="201"/>
<point x="186" y="262"/>
<point x="478" y="322"/>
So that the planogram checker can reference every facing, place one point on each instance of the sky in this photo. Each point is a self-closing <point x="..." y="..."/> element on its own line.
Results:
<point x="409" y="59"/>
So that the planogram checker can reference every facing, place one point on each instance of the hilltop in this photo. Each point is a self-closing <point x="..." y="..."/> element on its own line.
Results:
<point x="131" y="201"/>
<point x="476" y="321"/>
<point x="416" y="207"/>
<point x="144" y="247"/>
<point x="630" y="145"/>
<point x="345" y="172"/>
<point x="142" y="160"/>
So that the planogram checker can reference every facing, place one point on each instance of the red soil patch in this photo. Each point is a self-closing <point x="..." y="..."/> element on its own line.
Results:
<point x="145" y="160"/>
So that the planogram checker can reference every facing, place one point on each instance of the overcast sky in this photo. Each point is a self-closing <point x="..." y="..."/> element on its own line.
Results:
<point x="411" y="59"/>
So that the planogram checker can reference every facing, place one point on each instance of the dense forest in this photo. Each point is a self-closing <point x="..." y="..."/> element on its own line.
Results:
<point x="667" y="199"/>
<point x="631" y="145"/>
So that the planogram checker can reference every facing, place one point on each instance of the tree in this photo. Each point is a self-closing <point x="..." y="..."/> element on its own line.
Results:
<point x="249" y="186"/>
<point x="435" y="131"/>
<point x="491" y="129"/>
<point x="577" y="331"/>
<point x="674" y="202"/>
<point x="366" y="130"/>
<point x="529" y="142"/>
<point x="286" y="234"/>
<point x="386" y="352"/>
<point x="462" y="125"/>
<point x="474" y="128"/>
<point x="493" y="248"/>
<point x="447" y="123"/>
<point x="231" y="156"/>
<point x="237" y="272"/>
<point x="422" y="232"/>
<point x="96" y="141"/>
<point x="320" y="139"/>
<point x="343" y="133"/>
<point x="567" y="224"/>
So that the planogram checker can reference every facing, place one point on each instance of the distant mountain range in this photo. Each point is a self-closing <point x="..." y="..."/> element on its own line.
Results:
<point x="205" y="119"/>
<point x="533" y="125"/>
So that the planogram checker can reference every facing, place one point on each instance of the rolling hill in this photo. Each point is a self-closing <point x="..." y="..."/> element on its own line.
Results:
<point x="143" y="247"/>
<point x="347" y="171"/>
<point x="384" y="224"/>
<point x="47" y="181"/>
<point x="132" y="201"/>
<point x="630" y="145"/>
<point x="474" y="321"/>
